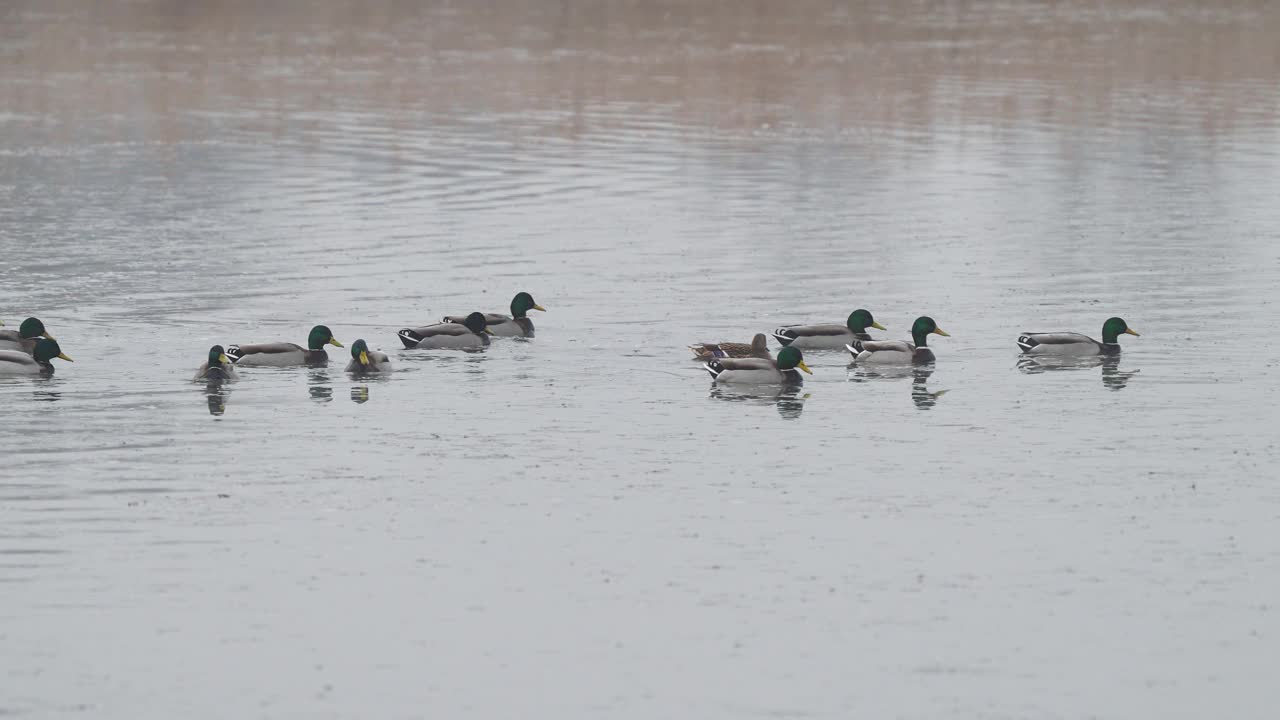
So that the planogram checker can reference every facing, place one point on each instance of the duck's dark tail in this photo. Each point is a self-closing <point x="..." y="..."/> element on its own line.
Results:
<point x="1026" y="342"/>
<point x="409" y="338"/>
<point x="233" y="353"/>
<point x="714" y="367"/>
<point x="785" y="336"/>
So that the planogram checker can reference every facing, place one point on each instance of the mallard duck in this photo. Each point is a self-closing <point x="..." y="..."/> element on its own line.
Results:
<point x="514" y="325"/>
<point x="16" y="362"/>
<point x="471" y="333"/>
<point x="828" y="337"/>
<point x="24" y="338"/>
<point x="1068" y="343"/>
<point x="281" y="354"/>
<point x="899" y="352"/>
<point x="757" y="348"/>
<point x="217" y="367"/>
<point x="760" y="371"/>
<point x="365" y="360"/>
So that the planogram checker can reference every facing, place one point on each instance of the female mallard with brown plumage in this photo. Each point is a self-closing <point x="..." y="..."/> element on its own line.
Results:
<point x="757" y="348"/>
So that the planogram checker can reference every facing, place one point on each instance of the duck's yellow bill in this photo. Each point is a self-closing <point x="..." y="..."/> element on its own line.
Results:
<point x="50" y="336"/>
<point x="1131" y="331"/>
<point x="334" y="342"/>
<point x="940" y="331"/>
<point x="63" y="356"/>
<point x="804" y="367"/>
<point x="487" y="330"/>
<point x="223" y="359"/>
<point x="878" y="326"/>
<point x="539" y="307"/>
<point x="364" y="358"/>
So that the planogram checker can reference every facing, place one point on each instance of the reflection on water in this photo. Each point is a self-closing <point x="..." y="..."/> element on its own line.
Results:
<point x="1113" y="378"/>
<point x="788" y="399"/>
<point x="216" y="392"/>
<point x="178" y="174"/>
<point x="923" y="398"/>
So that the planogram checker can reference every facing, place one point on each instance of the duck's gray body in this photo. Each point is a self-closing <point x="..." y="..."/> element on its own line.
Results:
<point x="889" y="352"/>
<point x="11" y="340"/>
<point x="378" y="362"/>
<point x="280" y="354"/>
<point x="500" y="325"/>
<point x="1064" y="344"/>
<point x="446" y="335"/>
<point x="833" y="336"/>
<point x="16" y="362"/>
<point x="751" y="371"/>
<point x="221" y="371"/>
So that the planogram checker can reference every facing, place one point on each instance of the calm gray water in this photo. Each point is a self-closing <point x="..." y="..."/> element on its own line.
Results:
<point x="580" y="526"/>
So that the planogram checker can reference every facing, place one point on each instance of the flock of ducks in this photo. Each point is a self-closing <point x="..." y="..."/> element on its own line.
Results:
<point x="752" y="362"/>
<point x="31" y="349"/>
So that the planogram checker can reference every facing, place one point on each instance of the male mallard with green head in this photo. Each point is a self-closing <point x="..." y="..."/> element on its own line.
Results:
<point x="760" y="371"/>
<point x="24" y="338"/>
<point x="757" y="348"/>
<point x="471" y="334"/>
<point x="831" y="336"/>
<point x="1069" y="343"/>
<point x="16" y="362"/>
<point x="517" y="324"/>
<point x="283" y="354"/>
<point x="899" y="352"/>
<point x="364" y="360"/>
<point x="217" y="366"/>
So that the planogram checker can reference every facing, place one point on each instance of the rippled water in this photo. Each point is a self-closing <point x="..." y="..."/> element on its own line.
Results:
<point x="580" y="525"/>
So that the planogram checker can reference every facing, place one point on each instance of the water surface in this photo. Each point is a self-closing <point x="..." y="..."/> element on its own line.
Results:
<point x="580" y="525"/>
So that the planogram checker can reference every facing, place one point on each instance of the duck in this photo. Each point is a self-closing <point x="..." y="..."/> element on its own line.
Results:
<point x="760" y="371"/>
<point x="282" y="354"/>
<point x="365" y="360"/>
<point x="831" y="336"/>
<point x="899" y="352"/>
<point x="757" y="348"/>
<point x="24" y="338"/>
<point x="217" y="367"/>
<point x="16" y="362"/>
<point x="1075" y="344"/>
<point x="472" y="333"/>
<point x="517" y="324"/>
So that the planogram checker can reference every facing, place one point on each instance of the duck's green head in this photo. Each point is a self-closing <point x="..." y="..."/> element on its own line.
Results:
<point x="1113" y="328"/>
<point x="217" y="356"/>
<point x="923" y="327"/>
<point x="360" y="352"/>
<point x="860" y="320"/>
<point x="321" y="336"/>
<point x="31" y="328"/>
<point x="47" y="350"/>
<point x="476" y="323"/>
<point x="789" y="358"/>
<point x="522" y="303"/>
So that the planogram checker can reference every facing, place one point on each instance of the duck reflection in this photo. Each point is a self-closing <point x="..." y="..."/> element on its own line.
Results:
<point x="1113" y="378"/>
<point x="923" y="398"/>
<point x="319" y="387"/>
<point x="789" y="400"/>
<point x="216" y="392"/>
<point x="360" y="394"/>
